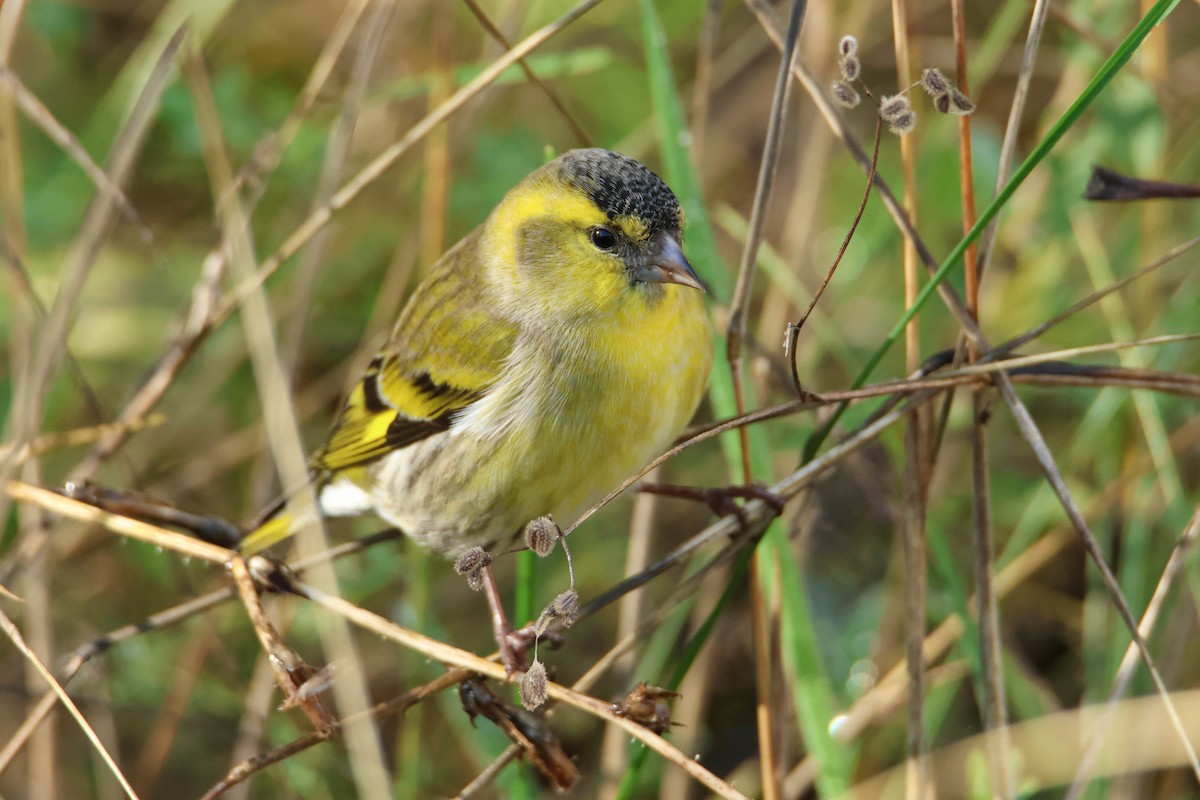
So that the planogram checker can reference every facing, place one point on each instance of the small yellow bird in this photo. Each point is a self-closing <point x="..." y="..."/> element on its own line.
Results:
<point x="557" y="348"/>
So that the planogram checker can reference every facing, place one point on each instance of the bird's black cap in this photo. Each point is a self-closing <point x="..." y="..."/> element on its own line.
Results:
<point x="622" y="186"/>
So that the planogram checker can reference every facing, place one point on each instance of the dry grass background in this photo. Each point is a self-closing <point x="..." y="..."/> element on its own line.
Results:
<point x="125" y="300"/>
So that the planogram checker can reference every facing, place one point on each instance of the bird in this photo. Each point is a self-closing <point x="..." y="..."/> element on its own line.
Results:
<point x="558" y="347"/>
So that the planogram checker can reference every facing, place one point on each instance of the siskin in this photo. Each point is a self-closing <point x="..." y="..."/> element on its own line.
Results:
<point x="557" y="348"/>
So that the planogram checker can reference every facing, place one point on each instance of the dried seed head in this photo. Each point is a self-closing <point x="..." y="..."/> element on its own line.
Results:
<point x="942" y="103"/>
<point x="844" y="95"/>
<point x="903" y="123"/>
<point x="934" y="82"/>
<point x="850" y="67"/>
<point x="541" y="535"/>
<point x="471" y="560"/>
<point x="564" y="607"/>
<point x="893" y="106"/>
<point x="647" y="705"/>
<point x="533" y="686"/>
<point x="960" y="104"/>
<point x="848" y="46"/>
<point x="472" y="563"/>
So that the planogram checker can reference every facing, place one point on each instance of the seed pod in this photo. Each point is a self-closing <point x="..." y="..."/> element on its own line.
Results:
<point x="934" y="82"/>
<point x="850" y="67"/>
<point x="848" y="46"/>
<point x="533" y="686"/>
<point x="541" y="535"/>
<point x="472" y="563"/>
<point x="942" y="103"/>
<point x="844" y="95"/>
<point x="471" y="560"/>
<point x="566" y="607"/>
<point x="903" y="124"/>
<point x="960" y="104"/>
<point x="893" y="106"/>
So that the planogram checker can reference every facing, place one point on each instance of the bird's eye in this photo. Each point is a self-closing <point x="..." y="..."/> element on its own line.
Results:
<point x="603" y="238"/>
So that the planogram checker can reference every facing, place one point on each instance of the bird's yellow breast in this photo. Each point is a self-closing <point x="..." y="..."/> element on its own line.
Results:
<point x="576" y="412"/>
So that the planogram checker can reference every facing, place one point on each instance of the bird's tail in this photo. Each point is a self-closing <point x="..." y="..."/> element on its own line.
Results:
<point x="273" y="530"/>
<point x="277" y="523"/>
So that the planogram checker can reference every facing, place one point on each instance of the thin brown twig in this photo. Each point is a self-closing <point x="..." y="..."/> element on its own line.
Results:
<point x="613" y="750"/>
<point x="134" y="529"/>
<point x="740" y="304"/>
<point x="793" y="329"/>
<point x="483" y="779"/>
<point x="1046" y="461"/>
<point x="555" y="99"/>
<point x="242" y="771"/>
<point x="268" y="151"/>
<point x="332" y="167"/>
<point x="176" y="614"/>
<point x="1098" y="731"/>
<point x="995" y="713"/>
<point x="50" y="342"/>
<point x="290" y="670"/>
<point x="746" y="537"/>
<point x="75" y="437"/>
<point x="197" y="318"/>
<point x="763" y="625"/>
<point x="887" y="690"/>
<point x="1100" y="294"/>
<point x="58" y="133"/>
<point x="366" y="755"/>
<point x="1166" y="381"/>
<point x="435" y="649"/>
<point x="1140" y="746"/>
<point x="96" y="223"/>
<point x="14" y="635"/>
<point x="817" y="94"/>
<point x="918" y="458"/>
<point x="1025" y="423"/>
<point x="702" y="85"/>
<point x="1008" y="148"/>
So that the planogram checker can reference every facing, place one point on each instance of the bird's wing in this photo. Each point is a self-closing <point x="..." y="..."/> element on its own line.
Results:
<point x="447" y="350"/>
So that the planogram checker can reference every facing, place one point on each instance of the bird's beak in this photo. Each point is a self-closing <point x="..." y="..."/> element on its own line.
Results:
<point x="667" y="264"/>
